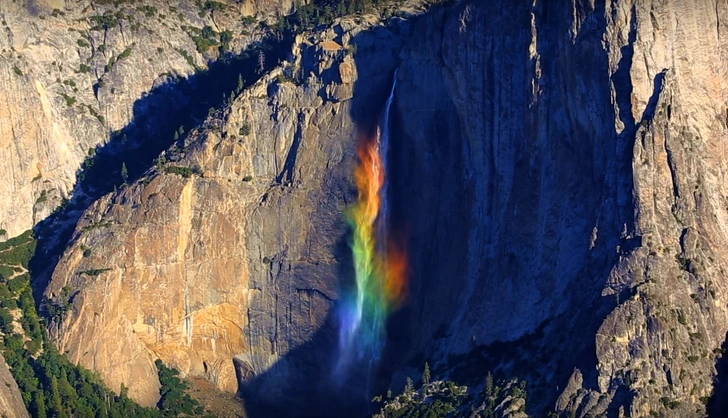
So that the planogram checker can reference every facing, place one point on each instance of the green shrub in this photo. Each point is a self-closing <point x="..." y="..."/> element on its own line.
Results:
<point x="149" y="11"/>
<point x="6" y="321"/>
<point x="42" y="198"/>
<point x="5" y="292"/>
<point x="18" y="284"/>
<point x="9" y="304"/>
<point x="185" y="172"/>
<point x="17" y="70"/>
<point x="225" y="38"/>
<point x="70" y="100"/>
<point x="669" y="403"/>
<point x="84" y="68"/>
<point x="22" y="239"/>
<point x="214" y="6"/>
<point x="186" y="55"/>
<point x="204" y="38"/>
<point x="282" y="78"/>
<point x="126" y="53"/>
<point x="104" y="22"/>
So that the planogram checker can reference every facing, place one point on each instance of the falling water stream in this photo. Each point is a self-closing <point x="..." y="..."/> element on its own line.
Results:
<point x="380" y="263"/>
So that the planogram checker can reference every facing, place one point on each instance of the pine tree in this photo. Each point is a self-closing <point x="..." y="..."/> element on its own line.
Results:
<point x="261" y="62"/>
<point x="241" y="84"/>
<point x="489" y="385"/>
<point x="124" y="172"/>
<point x="39" y="406"/>
<point x="409" y="387"/>
<point x="426" y="374"/>
<point x="56" y="403"/>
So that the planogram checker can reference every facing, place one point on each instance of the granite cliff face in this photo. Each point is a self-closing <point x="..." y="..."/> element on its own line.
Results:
<point x="582" y="150"/>
<point x="236" y="260"/>
<point x="585" y="141"/>
<point x="558" y="167"/>
<point x="11" y="401"/>
<point x="72" y="73"/>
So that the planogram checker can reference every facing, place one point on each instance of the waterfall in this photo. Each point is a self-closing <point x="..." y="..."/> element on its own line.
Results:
<point x="380" y="264"/>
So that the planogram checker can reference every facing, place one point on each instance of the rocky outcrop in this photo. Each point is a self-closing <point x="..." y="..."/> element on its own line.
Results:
<point x="72" y="73"/>
<point x="557" y="166"/>
<point x="228" y="247"/>
<point x="11" y="402"/>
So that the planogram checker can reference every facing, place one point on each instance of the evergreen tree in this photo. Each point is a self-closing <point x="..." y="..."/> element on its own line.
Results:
<point x="241" y="84"/>
<point x="409" y="387"/>
<point x="261" y="61"/>
<point x="124" y="172"/>
<point x="39" y="405"/>
<point x="426" y="374"/>
<point x="56" y="402"/>
<point x="489" y="385"/>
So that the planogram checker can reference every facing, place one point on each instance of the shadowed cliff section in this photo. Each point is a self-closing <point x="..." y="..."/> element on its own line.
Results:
<point x="305" y="376"/>
<point x="718" y="402"/>
<point x="484" y="190"/>
<point x="162" y="118"/>
<point x="532" y="207"/>
<point x="502" y="173"/>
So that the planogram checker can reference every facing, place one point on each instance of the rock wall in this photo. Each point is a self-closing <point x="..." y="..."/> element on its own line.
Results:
<point x="70" y="77"/>
<point x="563" y="177"/>
<point x="11" y="402"/>
<point x="558" y="170"/>
<point x="239" y="260"/>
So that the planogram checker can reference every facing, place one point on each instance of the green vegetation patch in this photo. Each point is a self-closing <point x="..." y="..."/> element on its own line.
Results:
<point x="16" y="252"/>
<point x="174" y="402"/>
<point x="106" y="21"/>
<point x="185" y="172"/>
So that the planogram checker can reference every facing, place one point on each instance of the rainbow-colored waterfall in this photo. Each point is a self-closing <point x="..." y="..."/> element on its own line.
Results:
<point x="380" y="262"/>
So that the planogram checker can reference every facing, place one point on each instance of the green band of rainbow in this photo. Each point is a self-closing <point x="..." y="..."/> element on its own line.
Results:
<point x="379" y="263"/>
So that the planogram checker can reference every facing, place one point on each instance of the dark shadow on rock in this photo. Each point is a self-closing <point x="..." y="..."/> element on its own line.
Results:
<point x="306" y="379"/>
<point x="161" y="119"/>
<point x="718" y="403"/>
<point x="538" y="357"/>
<point x="658" y="84"/>
<point x="311" y="385"/>
<point x="621" y="78"/>
<point x="603" y="194"/>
